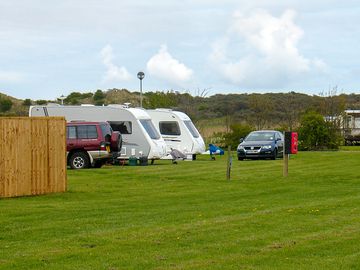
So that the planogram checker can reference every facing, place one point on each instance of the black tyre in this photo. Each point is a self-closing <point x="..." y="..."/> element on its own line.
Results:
<point x="274" y="154"/>
<point x="240" y="158"/>
<point x="98" y="164"/>
<point x="79" y="160"/>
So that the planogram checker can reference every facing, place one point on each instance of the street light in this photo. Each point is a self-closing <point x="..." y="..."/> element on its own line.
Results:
<point x="62" y="97"/>
<point x="141" y="76"/>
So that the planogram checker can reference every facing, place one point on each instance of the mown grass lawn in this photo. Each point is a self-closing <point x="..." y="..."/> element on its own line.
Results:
<point x="187" y="216"/>
<point x="350" y="148"/>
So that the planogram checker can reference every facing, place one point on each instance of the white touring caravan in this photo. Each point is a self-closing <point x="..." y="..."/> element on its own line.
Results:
<point x="140" y="138"/>
<point x="178" y="131"/>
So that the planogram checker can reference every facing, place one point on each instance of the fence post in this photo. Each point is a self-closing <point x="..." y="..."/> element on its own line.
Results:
<point x="229" y="163"/>
<point x="286" y="165"/>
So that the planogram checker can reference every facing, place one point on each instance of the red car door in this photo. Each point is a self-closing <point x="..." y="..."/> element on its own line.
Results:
<point x="71" y="138"/>
<point x="88" y="138"/>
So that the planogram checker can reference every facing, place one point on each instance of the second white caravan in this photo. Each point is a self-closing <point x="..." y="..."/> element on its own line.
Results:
<point x="178" y="131"/>
<point x="140" y="137"/>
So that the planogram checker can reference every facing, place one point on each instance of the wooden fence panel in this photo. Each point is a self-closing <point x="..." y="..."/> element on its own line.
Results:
<point x="40" y="159"/>
<point x="57" y="163"/>
<point x="33" y="156"/>
<point x="9" y="152"/>
<point x="23" y="156"/>
<point x="2" y="167"/>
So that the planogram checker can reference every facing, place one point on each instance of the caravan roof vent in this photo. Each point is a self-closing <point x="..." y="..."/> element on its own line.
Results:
<point x="164" y="109"/>
<point x="116" y="106"/>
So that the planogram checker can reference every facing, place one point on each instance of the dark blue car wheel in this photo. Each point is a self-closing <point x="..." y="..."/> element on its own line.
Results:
<point x="274" y="154"/>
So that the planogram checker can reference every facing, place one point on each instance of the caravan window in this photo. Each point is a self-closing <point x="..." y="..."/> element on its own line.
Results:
<point x="150" y="129"/>
<point x="192" y="129"/>
<point x="124" y="127"/>
<point x="169" y="128"/>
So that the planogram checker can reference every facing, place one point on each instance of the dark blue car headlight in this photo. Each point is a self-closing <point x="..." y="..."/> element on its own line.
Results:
<point x="266" y="147"/>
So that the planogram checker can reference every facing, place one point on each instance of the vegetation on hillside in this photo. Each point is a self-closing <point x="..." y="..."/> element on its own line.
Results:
<point x="10" y="106"/>
<point x="5" y="104"/>
<point x="218" y="115"/>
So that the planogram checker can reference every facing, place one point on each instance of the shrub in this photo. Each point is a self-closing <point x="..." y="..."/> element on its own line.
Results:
<point x="238" y="131"/>
<point x="5" y="104"/>
<point x="75" y="98"/>
<point x="41" y="102"/>
<point x="27" y="102"/>
<point x="317" y="134"/>
<point x="99" y="97"/>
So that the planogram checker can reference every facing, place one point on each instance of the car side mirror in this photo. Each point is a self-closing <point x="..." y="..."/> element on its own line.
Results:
<point x="241" y="140"/>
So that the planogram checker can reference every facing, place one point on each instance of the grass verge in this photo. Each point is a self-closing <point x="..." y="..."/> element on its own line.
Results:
<point x="187" y="216"/>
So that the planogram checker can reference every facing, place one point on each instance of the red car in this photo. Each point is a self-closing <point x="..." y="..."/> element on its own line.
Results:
<point x="91" y="144"/>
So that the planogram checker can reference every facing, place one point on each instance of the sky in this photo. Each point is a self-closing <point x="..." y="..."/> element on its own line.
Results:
<point x="52" y="48"/>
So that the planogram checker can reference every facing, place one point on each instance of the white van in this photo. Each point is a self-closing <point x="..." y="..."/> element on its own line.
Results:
<point x="178" y="131"/>
<point x="140" y="137"/>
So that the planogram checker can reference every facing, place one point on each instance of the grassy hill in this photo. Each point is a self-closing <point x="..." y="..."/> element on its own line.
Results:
<point x="217" y="113"/>
<point x="187" y="216"/>
<point x="17" y="108"/>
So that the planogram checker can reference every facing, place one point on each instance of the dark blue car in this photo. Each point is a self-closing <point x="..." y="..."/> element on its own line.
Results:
<point x="261" y="144"/>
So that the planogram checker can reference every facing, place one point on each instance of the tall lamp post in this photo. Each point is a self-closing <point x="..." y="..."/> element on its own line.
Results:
<point x="62" y="97"/>
<point x="141" y="76"/>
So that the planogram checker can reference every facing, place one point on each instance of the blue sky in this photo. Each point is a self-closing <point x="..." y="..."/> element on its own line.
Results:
<point x="50" y="48"/>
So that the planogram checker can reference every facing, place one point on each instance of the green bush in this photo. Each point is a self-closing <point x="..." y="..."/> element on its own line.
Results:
<point x="99" y="98"/>
<point x="160" y="100"/>
<point x="75" y="98"/>
<point x="238" y="131"/>
<point x="27" y="102"/>
<point x="317" y="134"/>
<point x="41" y="102"/>
<point x="5" y="104"/>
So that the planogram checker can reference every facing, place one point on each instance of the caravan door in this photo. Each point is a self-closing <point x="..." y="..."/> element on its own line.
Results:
<point x="170" y="131"/>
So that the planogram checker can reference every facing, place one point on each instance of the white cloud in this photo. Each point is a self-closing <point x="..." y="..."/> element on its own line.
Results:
<point x="10" y="77"/>
<point x="164" y="66"/>
<point x="262" y="50"/>
<point x="114" y="72"/>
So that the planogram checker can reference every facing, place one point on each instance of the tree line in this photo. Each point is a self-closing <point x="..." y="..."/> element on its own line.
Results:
<point x="239" y="113"/>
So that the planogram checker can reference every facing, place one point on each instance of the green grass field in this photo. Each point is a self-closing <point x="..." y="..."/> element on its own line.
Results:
<point x="350" y="148"/>
<point x="187" y="216"/>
